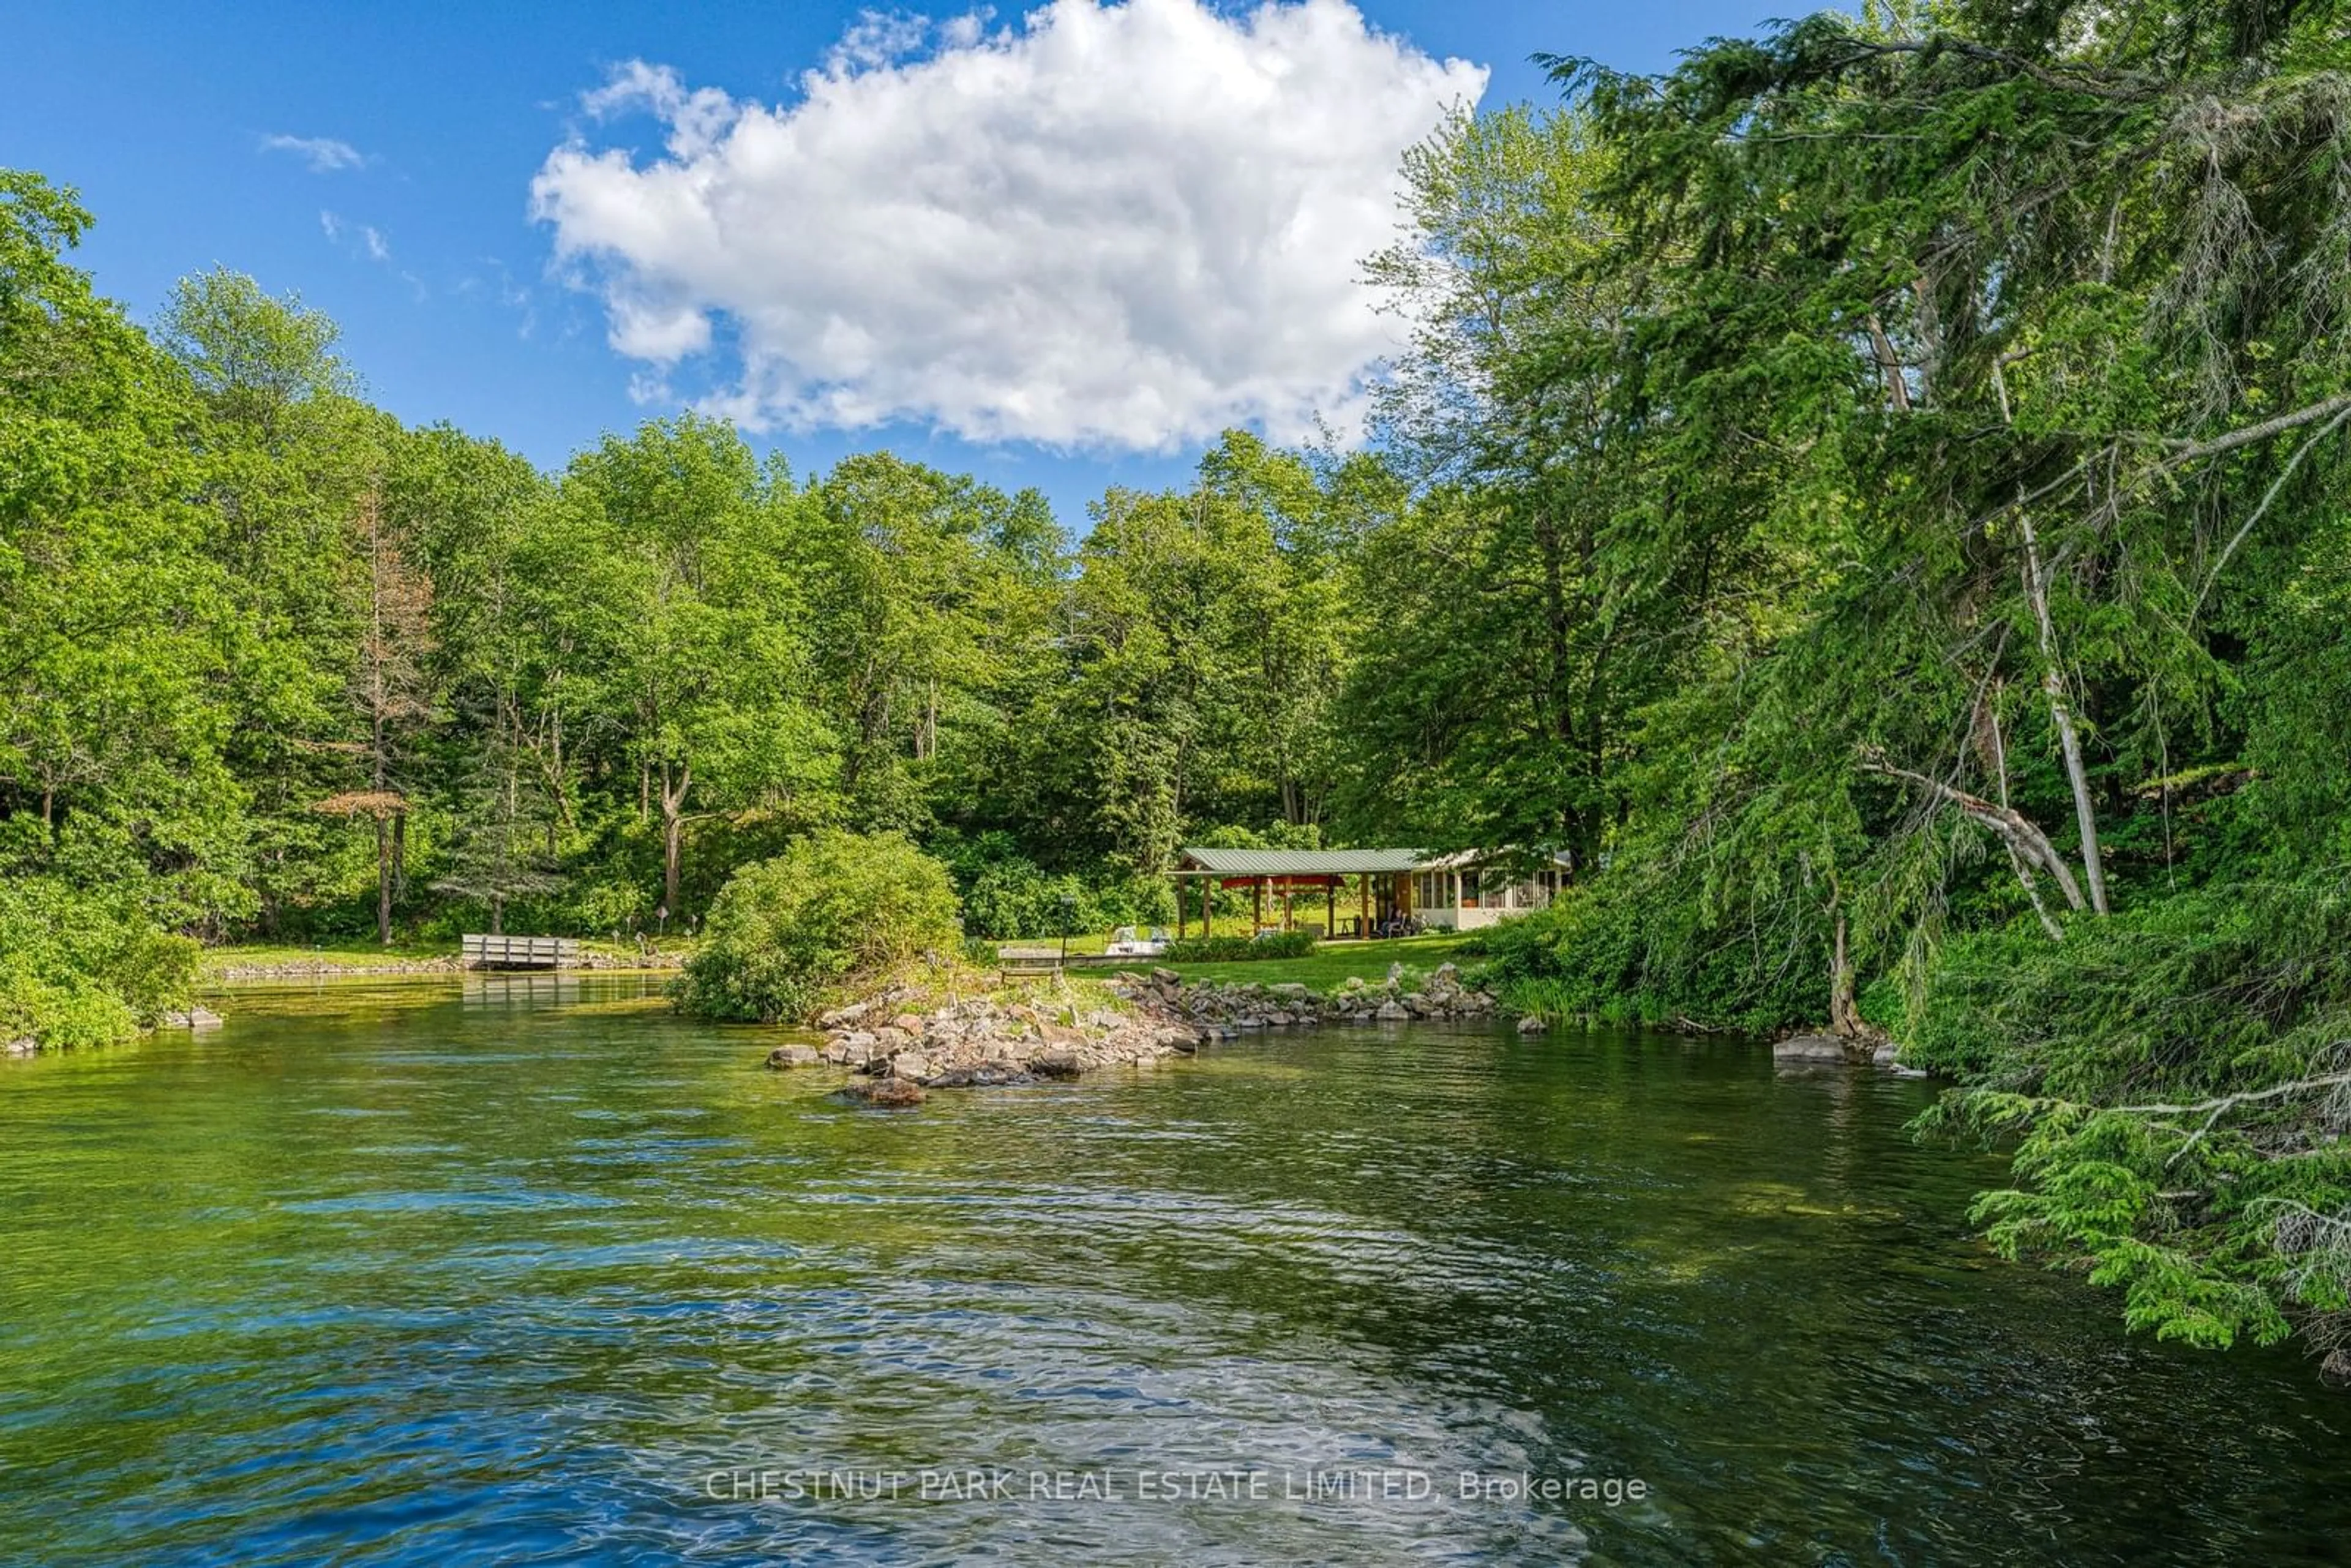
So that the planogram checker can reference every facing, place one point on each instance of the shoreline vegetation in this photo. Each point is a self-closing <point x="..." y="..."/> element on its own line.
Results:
<point x="1867" y="498"/>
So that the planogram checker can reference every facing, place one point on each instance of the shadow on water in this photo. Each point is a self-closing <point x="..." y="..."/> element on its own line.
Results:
<point x="506" y="1270"/>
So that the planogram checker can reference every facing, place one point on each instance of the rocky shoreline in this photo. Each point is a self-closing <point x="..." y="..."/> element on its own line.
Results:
<point x="1229" y="1011"/>
<point x="900" y="1051"/>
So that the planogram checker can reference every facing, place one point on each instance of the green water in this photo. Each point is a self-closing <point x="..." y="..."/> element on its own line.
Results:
<point x="521" y="1272"/>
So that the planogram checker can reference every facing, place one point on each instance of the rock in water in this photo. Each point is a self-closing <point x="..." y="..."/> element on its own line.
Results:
<point x="1809" y="1047"/>
<point x="1057" y="1061"/>
<point x="785" y="1056"/>
<point x="910" y="1064"/>
<point x="1532" y="1024"/>
<point x="887" y="1092"/>
<point x="1392" y="1012"/>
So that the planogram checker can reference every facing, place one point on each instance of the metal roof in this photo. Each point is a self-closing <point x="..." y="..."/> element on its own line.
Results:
<point x="1462" y="859"/>
<point x="1299" y="863"/>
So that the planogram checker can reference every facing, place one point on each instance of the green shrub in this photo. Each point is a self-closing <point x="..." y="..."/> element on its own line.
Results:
<point x="1237" y="949"/>
<point x="1621" y="950"/>
<point x="79" y="969"/>
<point x="836" y="913"/>
<point x="1007" y="895"/>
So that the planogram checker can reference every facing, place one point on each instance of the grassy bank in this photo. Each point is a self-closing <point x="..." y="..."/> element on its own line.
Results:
<point x="1330" y="965"/>
<point x="364" y="955"/>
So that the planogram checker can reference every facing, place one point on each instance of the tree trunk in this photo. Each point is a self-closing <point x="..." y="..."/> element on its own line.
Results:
<point x="383" y="879"/>
<point x="2030" y="844"/>
<point x="497" y="915"/>
<point x="398" y="856"/>
<point x="2052" y="686"/>
<point x="672" y="806"/>
<point x="1844" y="1014"/>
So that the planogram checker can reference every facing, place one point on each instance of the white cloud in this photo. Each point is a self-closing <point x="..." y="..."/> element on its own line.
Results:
<point x="323" y="154"/>
<point x="373" y="239"/>
<point x="1125" y="225"/>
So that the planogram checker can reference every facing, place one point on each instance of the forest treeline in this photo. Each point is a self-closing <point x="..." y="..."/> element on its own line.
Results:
<point x="1874" y="495"/>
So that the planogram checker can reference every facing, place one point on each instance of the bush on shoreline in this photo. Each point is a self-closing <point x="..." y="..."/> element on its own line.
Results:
<point x="836" y="912"/>
<point x="77" y="969"/>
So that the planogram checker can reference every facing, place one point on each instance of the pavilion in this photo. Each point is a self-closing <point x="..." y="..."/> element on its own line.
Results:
<point x="1455" y="892"/>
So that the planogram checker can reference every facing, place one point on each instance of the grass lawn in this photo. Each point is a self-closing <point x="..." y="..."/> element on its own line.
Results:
<point x="1328" y="967"/>
<point x="338" y="952"/>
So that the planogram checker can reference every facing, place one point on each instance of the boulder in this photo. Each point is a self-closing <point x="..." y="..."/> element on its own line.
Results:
<point x="1809" y="1047"/>
<point x="1415" y="1003"/>
<point x="842" y="1016"/>
<point x="889" y="1092"/>
<point x="25" y="1047"/>
<point x="203" y="1019"/>
<point x="1392" y="1012"/>
<point x="789" y="1056"/>
<point x="910" y="1064"/>
<point x="1056" y="1061"/>
<point x="980" y="1075"/>
<point x="1533" y="1023"/>
<point x="909" y="1023"/>
<point x="2336" y="1370"/>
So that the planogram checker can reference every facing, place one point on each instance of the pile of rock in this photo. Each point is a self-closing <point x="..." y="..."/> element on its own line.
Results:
<point x="981" y="1041"/>
<point x="1229" y="1009"/>
<point x="1842" y="1050"/>
<point x="900" y="1047"/>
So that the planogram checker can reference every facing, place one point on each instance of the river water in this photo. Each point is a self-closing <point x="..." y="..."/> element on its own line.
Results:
<point x="527" y="1271"/>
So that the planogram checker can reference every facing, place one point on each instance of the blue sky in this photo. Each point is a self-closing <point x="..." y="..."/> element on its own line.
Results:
<point x="1155" y="255"/>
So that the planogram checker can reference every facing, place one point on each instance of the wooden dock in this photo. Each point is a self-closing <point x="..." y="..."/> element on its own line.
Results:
<point x="519" y="952"/>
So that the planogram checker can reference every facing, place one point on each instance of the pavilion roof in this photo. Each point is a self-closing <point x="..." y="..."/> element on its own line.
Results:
<point x="1299" y="863"/>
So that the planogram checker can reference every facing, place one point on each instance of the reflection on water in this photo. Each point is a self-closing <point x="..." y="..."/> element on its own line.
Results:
<point x="523" y="1268"/>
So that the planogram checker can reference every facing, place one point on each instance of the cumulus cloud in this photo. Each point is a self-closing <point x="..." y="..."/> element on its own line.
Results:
<point x="1111" y="225"/>
<point x="324" y="154"/>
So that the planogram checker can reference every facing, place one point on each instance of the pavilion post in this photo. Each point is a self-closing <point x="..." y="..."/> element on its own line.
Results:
<point x="1331" y="907"/>
<point x="1181" y="909"/>
<point x="1257" y="888"/>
